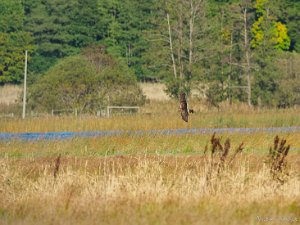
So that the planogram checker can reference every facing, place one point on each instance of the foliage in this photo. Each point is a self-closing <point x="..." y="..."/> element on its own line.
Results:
<point x="289" y="68"/>
<point x="289" y="13"/>
<point x="267" y="29"/>
<point x="281" y="38"/>
<point x="179" y="27"/>
<point x="269" y="38"/>
<point x="81" y="82"/>
<point x="13" y="42"/>
<point x="61" y="28"/>
<point x="207" y="38"/>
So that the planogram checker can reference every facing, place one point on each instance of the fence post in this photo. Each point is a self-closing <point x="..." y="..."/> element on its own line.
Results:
<point x="75" y="112"/>
<point x="107" y="112"/>
<point x="52" y="112"/>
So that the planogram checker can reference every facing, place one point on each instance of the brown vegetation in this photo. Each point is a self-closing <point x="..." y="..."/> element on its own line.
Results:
<point x="141" y="190"/>
<point x="147" y="188"/>
<point x="277" y="159"/>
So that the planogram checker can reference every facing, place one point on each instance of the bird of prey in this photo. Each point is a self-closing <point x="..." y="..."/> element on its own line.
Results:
<point x="184" y="107"/>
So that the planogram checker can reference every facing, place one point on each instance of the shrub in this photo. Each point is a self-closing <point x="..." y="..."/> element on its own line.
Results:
<point x="86" y="82"/>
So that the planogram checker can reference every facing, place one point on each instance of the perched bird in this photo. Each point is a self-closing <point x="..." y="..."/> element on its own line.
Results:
<point x="184" y="107"/>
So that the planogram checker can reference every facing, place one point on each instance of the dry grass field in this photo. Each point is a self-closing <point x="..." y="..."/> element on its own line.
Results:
<point x="9" y="94"/>
<point x="158" y="115"/>
<point x="144" y="189"/>
<point x="151" y="179"/>
<point x="154" y="91"/>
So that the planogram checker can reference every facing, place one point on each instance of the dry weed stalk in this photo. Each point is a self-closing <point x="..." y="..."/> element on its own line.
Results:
<point x="237" y="151"/>
<point x="219" y="155"/>
<point x="277" y="159"/>
<point x="57" y="165"/>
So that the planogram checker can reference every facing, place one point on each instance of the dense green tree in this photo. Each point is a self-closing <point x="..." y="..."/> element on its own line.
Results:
<point x="289" y="92"/>
<point x="12" y="16"/>
<point x="269" y="38"/>
<point x="61" y="28"/>
<point x="288" y="12"/>
<point x="127" y="21"/>
<point x="13" y="41"/>
<point x="225" y="81"/>
<point x="266" y="30"/>
<point x="188" y="44"/>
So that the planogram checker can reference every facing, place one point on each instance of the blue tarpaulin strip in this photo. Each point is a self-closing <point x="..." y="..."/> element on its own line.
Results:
<point x="68" y="135"/>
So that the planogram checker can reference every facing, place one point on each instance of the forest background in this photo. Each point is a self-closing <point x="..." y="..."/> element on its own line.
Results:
<point x="85" y="50"/>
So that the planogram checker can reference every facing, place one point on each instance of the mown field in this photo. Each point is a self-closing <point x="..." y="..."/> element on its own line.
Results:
<point x="150" y="179"/>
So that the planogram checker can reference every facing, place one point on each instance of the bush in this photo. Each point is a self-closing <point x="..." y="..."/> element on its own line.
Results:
<point x="86" y="82"/>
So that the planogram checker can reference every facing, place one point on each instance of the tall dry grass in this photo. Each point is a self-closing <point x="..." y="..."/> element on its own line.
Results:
<point x="149" y="179"/>
<point x="156" y="115"/>
<point x="144" y="189"/>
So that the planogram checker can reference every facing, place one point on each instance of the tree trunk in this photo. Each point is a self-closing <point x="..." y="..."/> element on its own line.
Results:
<point x="230" y="72"/>
<point x="247" y="57"/>
<point x="180" y="46"/>
<point x="171" y="47"/>
<point x="191" y="36"/>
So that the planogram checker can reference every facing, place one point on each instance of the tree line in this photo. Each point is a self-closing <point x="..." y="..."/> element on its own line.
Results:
<point x="228" y="49"/>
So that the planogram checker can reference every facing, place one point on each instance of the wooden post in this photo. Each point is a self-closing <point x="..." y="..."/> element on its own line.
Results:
<point x="107" y="112"/>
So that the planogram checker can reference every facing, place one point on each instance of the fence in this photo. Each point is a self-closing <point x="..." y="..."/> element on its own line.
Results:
<point x="64" y="111"/>
<point x="122" y="110"/>
<point x="8" y="115"/>
<point x="106" y="111"/>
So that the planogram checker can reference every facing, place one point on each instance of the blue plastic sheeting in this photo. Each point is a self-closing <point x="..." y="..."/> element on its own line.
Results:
<point x="69" y="135"/>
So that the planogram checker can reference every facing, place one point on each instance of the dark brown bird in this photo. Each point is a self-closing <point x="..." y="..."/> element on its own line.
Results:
<point x="184" y="107"/>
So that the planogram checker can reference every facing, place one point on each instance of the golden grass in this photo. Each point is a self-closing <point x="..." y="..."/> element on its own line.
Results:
<point x="143" y="190"/>
<point x="9" y="94"/>
<point x="154" y="91"/>
<point x="147" y="179"/>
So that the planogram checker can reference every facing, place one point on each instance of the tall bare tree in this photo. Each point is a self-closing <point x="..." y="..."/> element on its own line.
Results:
<point x="181" y="20"/>
<point x="247" y="57"/>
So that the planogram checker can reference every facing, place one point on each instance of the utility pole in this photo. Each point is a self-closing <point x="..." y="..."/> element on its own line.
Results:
<point x="25" y="86"/>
